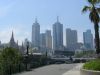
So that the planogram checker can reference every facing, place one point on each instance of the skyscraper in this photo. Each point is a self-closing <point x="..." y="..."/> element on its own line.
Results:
<point x="48" y="39"/>
<point x="57" y="35"/>
<point x="88" y="39"/>
<point x="36" y="34"/>
<point x="71" y="38"/>
<point x="43" y="40"/>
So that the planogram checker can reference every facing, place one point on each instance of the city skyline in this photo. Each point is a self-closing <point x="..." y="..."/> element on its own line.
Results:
<point x="64" y="33"/>
<point x="19" y="16"/>
<point x="36" y="31"/>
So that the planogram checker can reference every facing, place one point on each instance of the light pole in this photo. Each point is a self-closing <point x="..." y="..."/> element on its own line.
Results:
<point x="27" y="48"/>
<point x="27" y="55"/>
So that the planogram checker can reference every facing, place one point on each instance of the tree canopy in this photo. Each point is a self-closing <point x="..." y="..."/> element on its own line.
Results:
<point x="9" y="59"/>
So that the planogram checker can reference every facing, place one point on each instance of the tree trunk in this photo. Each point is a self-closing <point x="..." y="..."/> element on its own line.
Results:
<point x="96" y="28"/>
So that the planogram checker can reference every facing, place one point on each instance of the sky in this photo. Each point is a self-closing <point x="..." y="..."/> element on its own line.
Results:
<point x="19" y="15"/>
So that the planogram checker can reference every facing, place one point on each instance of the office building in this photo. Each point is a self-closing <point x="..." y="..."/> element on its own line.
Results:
<point x="48" y="39"/>
<point x="43" y="40"/>
<point x="36" y="34"/>
<point x="71" y="39"/>
<point x="57" y="35"/>
<point x="88" y="39"/>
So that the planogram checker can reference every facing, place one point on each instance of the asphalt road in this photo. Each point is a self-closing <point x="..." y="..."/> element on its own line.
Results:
<point x="57" y="69"/>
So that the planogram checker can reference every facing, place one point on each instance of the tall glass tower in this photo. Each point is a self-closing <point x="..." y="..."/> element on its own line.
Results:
<point x="48" y="39"/>
<point x="36" y="34"/>
<point x="88" y="39"/>
<point x="57" y="35"/>
<point x="71" y="37"/>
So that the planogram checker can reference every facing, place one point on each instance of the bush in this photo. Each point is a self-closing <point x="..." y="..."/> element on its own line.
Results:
<point x="92" y="65"/>
<point x="10" y="61"/>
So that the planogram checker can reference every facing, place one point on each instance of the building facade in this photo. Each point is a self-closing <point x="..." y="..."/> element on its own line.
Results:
<point x="43" y="40"/>
<point x="88" y="39"/>
<point x="48" y="39"/>
<point x="36" y="34"/>
<point x="71" y="38"/>
<point x="57" y="35"/>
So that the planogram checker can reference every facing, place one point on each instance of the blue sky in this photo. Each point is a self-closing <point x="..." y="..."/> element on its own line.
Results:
<point x="19" y="15"/>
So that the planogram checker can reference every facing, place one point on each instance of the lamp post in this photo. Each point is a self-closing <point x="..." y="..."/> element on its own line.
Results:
<point x="27" y="48"/>
<point x="27" y="55"/>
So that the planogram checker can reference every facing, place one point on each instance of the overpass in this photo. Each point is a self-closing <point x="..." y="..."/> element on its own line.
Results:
<point x="74" y="59"/>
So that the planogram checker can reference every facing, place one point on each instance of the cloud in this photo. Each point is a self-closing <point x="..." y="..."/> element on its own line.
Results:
<point x="20" y="33"/>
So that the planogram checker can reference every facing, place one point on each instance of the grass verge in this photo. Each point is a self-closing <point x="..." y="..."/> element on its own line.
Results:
<point x="92" y="65"/>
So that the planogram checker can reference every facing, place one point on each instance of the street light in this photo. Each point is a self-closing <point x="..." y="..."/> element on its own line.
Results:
<point x="27" y="45"/>
<point x="27" y="55"/>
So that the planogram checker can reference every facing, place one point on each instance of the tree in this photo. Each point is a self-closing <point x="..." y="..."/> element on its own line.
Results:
<point x="94" y="11"/>
<point x="10" y="58"/>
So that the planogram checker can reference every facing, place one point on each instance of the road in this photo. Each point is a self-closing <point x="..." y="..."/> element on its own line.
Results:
<point x="57" y="69"/>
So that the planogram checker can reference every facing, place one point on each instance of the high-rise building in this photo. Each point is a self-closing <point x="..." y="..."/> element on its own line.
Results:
<point x="57" y="35"/>
<point x="88" y="39"/>
<point x="36" y="34"/>
<point x="43" y="40"/>
<point x="48" y="39"/>
<point x="71" y="38"/>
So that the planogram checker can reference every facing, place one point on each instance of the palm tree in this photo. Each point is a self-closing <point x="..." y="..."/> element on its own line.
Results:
<point x="94" y="10"/>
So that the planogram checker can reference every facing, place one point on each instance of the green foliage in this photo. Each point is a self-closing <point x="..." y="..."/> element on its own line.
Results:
<point x="43" y="60"/>
<point x="92" y="65"/>
<point x="94" y="1"/>
<point x="88" y="53"/>
<point x="94" y="10"/>
<point x="81" y="54"/>
<point x="38" y="61"/>
<point x="10" y="58"/>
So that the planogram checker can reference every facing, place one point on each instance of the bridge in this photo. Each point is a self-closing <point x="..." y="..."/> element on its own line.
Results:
<point x="74" y="59"/>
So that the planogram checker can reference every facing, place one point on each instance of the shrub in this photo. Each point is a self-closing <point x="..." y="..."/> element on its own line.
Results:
<point x="10" y="59"/>
<point x="92" y="65"/>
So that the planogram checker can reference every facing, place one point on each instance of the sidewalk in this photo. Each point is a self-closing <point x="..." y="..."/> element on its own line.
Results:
<point x="74" y="71"/>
